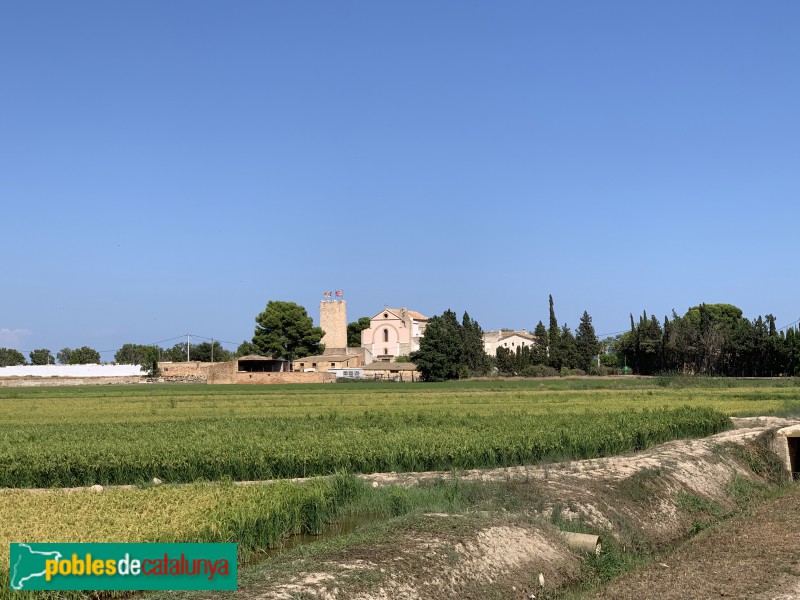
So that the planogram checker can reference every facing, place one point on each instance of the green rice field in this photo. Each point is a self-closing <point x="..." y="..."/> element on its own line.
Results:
<point x="210" y="436"/>
<point x="62" y="437"/>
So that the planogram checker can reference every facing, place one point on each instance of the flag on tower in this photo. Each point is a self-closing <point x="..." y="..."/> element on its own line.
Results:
<point x="339" y="293"/>
<point x="326" y="294"/>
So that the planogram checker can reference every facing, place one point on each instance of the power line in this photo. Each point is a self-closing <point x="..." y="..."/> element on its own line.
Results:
<point x="215" y="340"/>
<point x="602" y="335"/>
<point x="789" y="325"/>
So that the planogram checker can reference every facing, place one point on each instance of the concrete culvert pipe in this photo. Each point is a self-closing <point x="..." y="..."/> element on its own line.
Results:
<point x="584" y="542"/>
<point x="787" y="447"/>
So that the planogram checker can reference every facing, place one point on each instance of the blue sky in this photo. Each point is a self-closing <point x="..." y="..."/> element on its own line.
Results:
<point x="170" y="167"/>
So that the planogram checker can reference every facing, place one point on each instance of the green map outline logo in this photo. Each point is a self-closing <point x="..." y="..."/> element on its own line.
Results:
<point x="15" y="569"/>
<point x="123" y="566"/>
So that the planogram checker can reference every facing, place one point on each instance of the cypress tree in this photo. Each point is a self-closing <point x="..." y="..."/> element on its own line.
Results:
<point x="586" y="343"/>
<point x="567" y="349"/>
<point x="539" y="356"/>
<point x="553" y="335"/>
<point x="473" y="354"/>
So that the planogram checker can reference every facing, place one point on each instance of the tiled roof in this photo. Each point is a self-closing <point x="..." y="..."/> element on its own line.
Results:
<point x="390" y="366"/>
<point x="504" y="335"/>
<point x="327" y="358"/>
<point x="398" y="312"/>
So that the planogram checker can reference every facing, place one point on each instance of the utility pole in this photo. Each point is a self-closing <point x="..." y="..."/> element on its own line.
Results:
<point x="187" y="347"/>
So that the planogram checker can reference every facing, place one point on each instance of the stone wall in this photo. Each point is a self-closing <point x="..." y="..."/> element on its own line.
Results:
<point x="226" y="374"/>
<point x="263" y="378"/>
<point x="15" y="382"/>
<point x="187" y="371"/>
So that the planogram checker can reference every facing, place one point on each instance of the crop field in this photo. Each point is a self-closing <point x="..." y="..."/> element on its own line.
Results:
<point x="83" y="436"/>
<point x="66" y="437"/>
<point x="257" y="517"/>
<point x="62" y="437"/>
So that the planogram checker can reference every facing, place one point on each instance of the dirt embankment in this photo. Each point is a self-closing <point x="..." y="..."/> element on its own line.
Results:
<point x="755" y="555"/>
<point x="643" y="501"/>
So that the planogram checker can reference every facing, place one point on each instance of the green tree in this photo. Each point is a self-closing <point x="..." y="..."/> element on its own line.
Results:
<point x="567" y="348"/>
<point x="553" y="335"/>
<point x="145" y="356"/>
<point x="10" y="357"/>
<point x="587" y="346"/>
<point x="540" y="343"/>
<point x="137" y="354"/>
<point x="451" y="350"/>
<point x="84" y="356"/>
<point x="177" y="353"/>
<point x="246" y="349"/>
<point x="284" y="330"/>
<point x="354" y="330"/>
<point x="63" y="356"/>
<point x="41" y="356"/>
<point x="505" y="361"/>
<point x="211" y="352"/>
<point x="440" y="354"/>
<point x="473" y="353"/>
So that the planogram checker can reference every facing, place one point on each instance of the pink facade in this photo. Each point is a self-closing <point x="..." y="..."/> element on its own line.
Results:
<point x="394" y="332"/>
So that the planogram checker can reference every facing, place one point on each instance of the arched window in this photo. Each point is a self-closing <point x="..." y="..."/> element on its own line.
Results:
<point x="385" y="335"/>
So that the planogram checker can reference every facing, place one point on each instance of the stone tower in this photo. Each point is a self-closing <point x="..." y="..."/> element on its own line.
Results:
<point x="333" y="320"/>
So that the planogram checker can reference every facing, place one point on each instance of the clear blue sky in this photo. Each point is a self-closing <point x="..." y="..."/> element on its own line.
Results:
<point x="171" y="166"/>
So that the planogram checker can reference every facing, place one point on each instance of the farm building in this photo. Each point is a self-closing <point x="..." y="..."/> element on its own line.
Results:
<point x="248" y="369"/>
<point x="326" y="362"/>
<point x="492" y="340"/>
<point x="260" y="369"/>
<point x="391" y="371"/>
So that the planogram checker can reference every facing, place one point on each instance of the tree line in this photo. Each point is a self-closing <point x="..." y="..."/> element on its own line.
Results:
<point x="43" y="356"/>
<point x="283" y="330"/>
<point x="710" y="339"/>
<point x="128" y="354"/>
<point x="452" y="350"/>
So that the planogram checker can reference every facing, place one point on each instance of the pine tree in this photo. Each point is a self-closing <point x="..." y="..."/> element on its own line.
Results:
<point x="284" y="330"/>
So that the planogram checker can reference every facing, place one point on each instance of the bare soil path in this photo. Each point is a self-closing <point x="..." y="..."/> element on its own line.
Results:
<point x="755" y="556"/>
